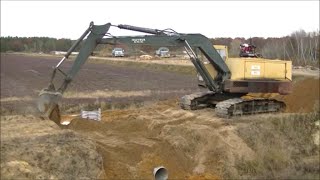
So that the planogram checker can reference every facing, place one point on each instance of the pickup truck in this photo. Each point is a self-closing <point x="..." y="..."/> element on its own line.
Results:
<point x="118" y="52"/>
<point x="163" y="52"/>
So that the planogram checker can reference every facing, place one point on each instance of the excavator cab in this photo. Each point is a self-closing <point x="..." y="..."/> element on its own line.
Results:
<point x="247" y="50"/>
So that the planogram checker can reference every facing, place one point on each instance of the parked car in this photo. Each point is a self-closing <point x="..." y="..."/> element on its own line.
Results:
<point x="163" y="52"/>
<point x="118" y="52"/>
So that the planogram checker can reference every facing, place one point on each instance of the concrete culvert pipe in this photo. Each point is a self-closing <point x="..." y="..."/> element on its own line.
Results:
<point x="160" y="173"/>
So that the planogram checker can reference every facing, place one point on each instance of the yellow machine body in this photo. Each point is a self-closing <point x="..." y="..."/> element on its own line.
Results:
<point x="253" y="68"/>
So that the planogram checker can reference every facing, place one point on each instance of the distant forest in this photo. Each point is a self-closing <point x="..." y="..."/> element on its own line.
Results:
<point x="301" y="47"/>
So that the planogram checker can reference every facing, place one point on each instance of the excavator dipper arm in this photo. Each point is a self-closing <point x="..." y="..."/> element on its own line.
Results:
<point x="50" y="96"/>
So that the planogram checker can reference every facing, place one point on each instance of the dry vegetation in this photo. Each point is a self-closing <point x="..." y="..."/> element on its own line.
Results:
<point x="284" y="147"/>
<point x="32" y="148"/>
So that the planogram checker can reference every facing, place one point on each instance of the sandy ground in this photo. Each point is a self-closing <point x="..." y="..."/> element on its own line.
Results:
<point x="135" y="141"/>
<point x="33" y="148"/>
<point x="129" y="142"/>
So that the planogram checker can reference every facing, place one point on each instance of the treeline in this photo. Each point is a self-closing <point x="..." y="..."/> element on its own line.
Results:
<point x="300" y="47"/>
<point x="34" y="44"/>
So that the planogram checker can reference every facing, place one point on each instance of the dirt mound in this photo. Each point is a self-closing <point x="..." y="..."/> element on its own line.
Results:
<point x="145" y="57"/>
<point x="304" y="97"/>
<point x="32" y="148"/>
<point x="128" y="142"/>
<point x="191" y="145"/>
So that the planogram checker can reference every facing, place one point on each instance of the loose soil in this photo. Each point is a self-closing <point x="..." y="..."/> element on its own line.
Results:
<point x="305" y="96"/>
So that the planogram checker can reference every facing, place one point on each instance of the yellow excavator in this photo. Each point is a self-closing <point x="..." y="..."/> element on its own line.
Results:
<point x="227" y="80"/>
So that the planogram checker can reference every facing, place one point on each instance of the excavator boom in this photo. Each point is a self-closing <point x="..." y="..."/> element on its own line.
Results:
<point x="190" y="42"/>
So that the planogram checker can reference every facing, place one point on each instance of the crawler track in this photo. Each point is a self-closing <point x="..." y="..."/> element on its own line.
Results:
<point x="227" y="107"/>
<point x="196" y="100"/>
<point x="239" y="106"/>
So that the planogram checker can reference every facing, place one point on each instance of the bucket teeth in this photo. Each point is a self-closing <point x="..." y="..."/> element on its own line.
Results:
<point x="55" y="115"/>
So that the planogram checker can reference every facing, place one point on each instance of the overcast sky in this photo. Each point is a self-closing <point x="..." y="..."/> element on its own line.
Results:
<point x="60" y="19"/>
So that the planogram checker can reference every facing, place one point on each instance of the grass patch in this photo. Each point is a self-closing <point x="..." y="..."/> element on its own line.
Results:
<point x="149" y="66"/>
<point x="76" y="108"/>
<point x="284" y="147"/>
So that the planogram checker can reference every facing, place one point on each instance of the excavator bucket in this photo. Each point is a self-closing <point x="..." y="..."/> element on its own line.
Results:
<point x="48" y="104"/>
